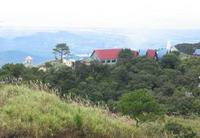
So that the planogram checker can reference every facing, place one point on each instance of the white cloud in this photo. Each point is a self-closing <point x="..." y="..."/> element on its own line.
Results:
<point x="101" y="13"/>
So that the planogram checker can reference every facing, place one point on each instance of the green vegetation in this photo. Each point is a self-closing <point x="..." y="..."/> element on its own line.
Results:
<point x="28" y="112"/>
<point x="188" y="48"/>
<point x="162" y="98"/>
<point x="33" y="113"/>
<point x="172" y="81"/>
<point x="140" y="105"/>
<point x="125" y="55"/>
<point x="61" y="49"/>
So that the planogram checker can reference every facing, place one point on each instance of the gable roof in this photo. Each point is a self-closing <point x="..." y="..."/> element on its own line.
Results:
<point x="197" y="52"/>
<point x="151" y="53"/>
<point x="104" y="54"/>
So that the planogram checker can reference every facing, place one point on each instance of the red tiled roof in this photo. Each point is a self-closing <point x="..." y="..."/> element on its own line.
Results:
<point x="104" y="54"/>
<point x="151" y="53"/>
<point x="107" y="53"/>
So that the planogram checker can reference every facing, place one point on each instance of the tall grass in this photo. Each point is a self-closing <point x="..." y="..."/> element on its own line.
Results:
<point x="34" y="112"/>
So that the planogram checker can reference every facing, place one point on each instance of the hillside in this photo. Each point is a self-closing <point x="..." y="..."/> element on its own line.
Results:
<point x="26" y="112"/>
<point x="187" y="48"/>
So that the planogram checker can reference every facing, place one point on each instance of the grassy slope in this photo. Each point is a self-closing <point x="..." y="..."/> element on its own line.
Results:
<point x="33" y="113"/>
<point x="25" y="112"/>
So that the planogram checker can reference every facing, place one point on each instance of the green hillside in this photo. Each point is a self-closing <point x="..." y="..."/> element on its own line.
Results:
<point x="25" y="112"/>
<point x="188" y="48"/>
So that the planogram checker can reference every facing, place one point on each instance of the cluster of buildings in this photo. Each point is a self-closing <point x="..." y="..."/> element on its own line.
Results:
<point x="111" y="56"/>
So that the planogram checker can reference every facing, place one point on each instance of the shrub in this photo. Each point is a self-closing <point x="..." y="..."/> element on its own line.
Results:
<point x="140" y="105"/>
<point x="179" y="130"/>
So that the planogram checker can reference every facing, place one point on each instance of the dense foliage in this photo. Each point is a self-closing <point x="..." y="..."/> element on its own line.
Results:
<point x="140" y="105"/>
<point x="172" y="82"/>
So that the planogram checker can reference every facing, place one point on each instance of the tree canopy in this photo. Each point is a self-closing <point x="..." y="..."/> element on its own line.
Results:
<point x="61" y="49"/>
<point x="140" y="105"/>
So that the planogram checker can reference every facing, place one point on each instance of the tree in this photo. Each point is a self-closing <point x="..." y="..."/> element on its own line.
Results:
<point x="60" y="77"/>
<point x="140" y="105"/>
<point x="125" y="55"/>
<point x="13" y="70"/>
<point x="170" y="61"/>
<point x="61" y="49"/>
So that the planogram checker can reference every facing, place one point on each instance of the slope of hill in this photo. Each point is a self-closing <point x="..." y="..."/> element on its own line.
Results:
<point x="33" y="113"/>
<point x="187" y="48"/>
<point x="26" y="112"/>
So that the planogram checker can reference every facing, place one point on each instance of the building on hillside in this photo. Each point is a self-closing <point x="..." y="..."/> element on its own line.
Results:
<point x="162" y="52"/>
<point x="174" y="49"/>
<point x="196" y="52"/>
<point x="87" y="60"/>
<point x="109" y="56"/>
<point x="28" y="61"/>
<point x="69" y="62"/>
<point x="142" y="52"/>
<point x="152" y="53"/>
<point x="170" y="47"/>
<point x="42" y="68"/>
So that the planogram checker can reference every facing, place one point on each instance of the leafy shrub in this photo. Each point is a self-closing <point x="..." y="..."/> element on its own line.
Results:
<point x="140" y="105"/>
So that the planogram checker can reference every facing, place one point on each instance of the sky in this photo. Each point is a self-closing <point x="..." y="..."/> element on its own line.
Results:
<point x="176" y="14"/>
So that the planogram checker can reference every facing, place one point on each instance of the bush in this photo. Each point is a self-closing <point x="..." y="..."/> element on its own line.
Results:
<point x="140" y="105"/>
<point x="179" y="130"/>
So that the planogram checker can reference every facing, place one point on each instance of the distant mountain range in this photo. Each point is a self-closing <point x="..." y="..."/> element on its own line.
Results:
<point x="15" y="45"/>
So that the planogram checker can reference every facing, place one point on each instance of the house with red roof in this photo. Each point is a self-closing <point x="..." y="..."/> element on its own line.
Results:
<point x="152" y="53"/>
<point x="109" y="56"/>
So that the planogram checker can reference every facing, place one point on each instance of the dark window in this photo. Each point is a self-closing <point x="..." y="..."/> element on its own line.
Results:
<point x="108" y="61"/>
<point x="103" y="61"/>
<point x="113" y="60"/>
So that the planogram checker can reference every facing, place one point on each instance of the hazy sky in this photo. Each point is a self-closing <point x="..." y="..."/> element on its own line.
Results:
<point x="101" y="13"/>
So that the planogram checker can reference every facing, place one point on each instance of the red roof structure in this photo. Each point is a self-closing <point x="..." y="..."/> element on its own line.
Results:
<point x="151" y="53"/>
<point x="104" y="54"/>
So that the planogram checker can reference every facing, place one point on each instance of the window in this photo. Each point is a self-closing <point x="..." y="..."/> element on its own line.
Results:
<point x="113" y="61"/>
<point x="103" y="61"/>
<point x="108" y="61"/>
